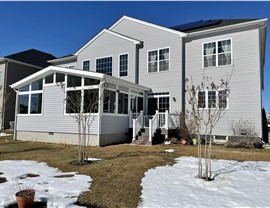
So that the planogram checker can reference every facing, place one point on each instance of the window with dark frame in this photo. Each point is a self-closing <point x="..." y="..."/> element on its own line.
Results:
<point x="104" y="65"/>
<point x="86" y="65"/>
<point x="123" y="65"/>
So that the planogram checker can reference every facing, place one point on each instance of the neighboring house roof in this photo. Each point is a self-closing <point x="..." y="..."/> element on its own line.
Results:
<point x="33" y="57"/>
<point x="132" y="40"/>
<point x="64" y="58"/>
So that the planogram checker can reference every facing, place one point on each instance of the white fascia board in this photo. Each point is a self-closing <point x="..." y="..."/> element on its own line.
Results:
<point x="124" y="83"/>
<point x="63" y="59"/>
<point x="244" y="24"/>
<point x="52" y="69"/>
<point x="181" y="34"/>
<point x="19" y="62"/>
<point x="109" y="32"/>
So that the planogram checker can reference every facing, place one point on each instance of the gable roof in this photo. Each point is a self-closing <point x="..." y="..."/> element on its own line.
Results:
<point x="134" y="41"/>
<point x="148" y="24"/>
<point x="201" y="25"/>
<point x="77" y="72"/>
<point x="32" y="56"/>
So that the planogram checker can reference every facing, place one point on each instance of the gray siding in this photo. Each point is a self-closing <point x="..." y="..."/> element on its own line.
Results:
<point x="110" y="45"/>
<point x="66" y="64"/>
<point x="111" y="124"/>
<point x="52" y="118"/>
<point x="155" y="39"/>
<point x="245" y="84"/>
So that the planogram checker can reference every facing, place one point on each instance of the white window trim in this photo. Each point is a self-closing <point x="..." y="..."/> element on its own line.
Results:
<point x="102" y="58"/>
<point x="119" y="65"/>
<point x="206" y="99"/>
<point x="216" y="41"/>
<point x="29" y="93"/>
<point x="158" y="60"/>
<point x="49" y="84"/>
<point x="81" y="88"/>
<point x="158" y="96"/>
<point x="89" y="64"/>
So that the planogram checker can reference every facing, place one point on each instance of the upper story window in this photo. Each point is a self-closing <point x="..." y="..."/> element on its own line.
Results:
<point x="123" y="65"/>
<point x="158" y="60"/>
<point x="86" y="65"/>
<point x="104" y="65"/>
<point x="217" y="53"/>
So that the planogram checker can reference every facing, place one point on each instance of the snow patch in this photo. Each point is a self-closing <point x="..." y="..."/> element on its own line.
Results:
<point x="61" y="192"/>
<point x="236" y="184"/>
<point x="92" y="159"/>
<point x="169" y="151"/>
<point x="4" y="134"/>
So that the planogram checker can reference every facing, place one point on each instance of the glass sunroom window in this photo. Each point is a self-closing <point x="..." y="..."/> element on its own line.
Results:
<point x="73" y="101"/>
<point x="91" y="101"/>
<point x="122" y="103"/>
<point x="36" y="103"/>
<point x="109" y="101"/>
<point x="23" y="104"/>
<point x="37" y="85"/>
<point x="74" y="81"/>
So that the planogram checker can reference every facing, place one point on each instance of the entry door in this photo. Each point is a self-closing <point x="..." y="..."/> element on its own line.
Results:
<point x="152" y="106"/>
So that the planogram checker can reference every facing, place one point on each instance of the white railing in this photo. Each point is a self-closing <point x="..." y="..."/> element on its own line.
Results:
<point x="153" y="125"/>
<point x="137" y="125"/>
<point x="174" y="120"/>
<point x="131" y="117"/>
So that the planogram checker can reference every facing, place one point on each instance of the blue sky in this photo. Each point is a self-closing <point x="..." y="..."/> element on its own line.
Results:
<point x="60" y="28"/>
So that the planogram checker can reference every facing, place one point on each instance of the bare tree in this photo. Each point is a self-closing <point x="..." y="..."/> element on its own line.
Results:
<point x="82" y="105"/>
<point x="204" y="118"/>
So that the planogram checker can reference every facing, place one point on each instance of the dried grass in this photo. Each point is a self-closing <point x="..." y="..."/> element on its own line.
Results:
<point x="117" y="177"/>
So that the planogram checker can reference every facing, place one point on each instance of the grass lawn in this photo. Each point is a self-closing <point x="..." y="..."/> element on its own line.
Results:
<point x="117" y="177"/>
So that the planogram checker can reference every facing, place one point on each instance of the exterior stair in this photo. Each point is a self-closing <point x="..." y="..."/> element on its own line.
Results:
<point x="142" y="138"/>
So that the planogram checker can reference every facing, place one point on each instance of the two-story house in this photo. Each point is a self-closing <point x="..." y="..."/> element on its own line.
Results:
<point x="142" y="67"/>
<point x="13" y="68"/>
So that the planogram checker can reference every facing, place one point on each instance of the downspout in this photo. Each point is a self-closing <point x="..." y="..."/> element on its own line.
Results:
<point x="15" y="119"/>
<point x="4" y="96"/>
<point x="100" y="110"/>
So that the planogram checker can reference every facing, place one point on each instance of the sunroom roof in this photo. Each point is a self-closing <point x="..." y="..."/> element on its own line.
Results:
<point x="77" y="72"/>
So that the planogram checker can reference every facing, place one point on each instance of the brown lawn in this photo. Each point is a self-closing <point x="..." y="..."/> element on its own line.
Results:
<point x="117" y="177"/>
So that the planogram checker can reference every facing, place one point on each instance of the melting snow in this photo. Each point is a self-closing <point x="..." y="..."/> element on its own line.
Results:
<point x="236" y="184"/>
<point x="169" y="151"/>
<point x="59" y="192"/>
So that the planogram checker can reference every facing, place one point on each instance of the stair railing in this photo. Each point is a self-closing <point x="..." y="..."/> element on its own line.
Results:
<point x="153" y="125"/>
<point x="137" y="125"/>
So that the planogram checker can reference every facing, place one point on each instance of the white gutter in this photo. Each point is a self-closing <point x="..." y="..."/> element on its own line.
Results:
<point x="16" y="112"/>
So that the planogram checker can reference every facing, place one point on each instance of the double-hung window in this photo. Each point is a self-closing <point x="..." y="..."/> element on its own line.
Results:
<point x="158" y="60"/>
<point x="86" y="65"/>
<point x="104" y="65"/>
<point x="123" y="65"/>
<point x="217" y="53"/>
